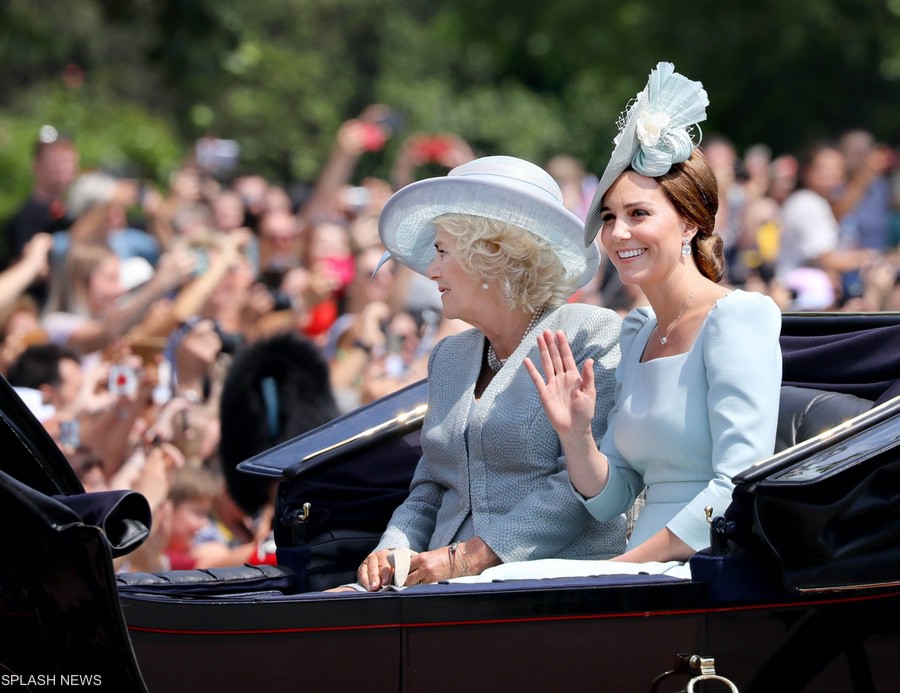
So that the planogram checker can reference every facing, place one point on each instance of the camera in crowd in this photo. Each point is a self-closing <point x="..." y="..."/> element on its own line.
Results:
<point x="231" y="341"/>
<point x="378" y="131"/>
<point x="217" y="156"/>
<point x="432" y="149"/>
<point x="356" y="197"/>
<point x="123" y="380"/>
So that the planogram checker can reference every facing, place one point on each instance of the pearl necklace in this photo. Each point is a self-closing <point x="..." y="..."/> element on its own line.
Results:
<point x="496" y="364"/>
<point x="664" y="339"/>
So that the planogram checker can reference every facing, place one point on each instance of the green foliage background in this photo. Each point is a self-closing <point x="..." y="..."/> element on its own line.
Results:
<point x="136" y="81"/>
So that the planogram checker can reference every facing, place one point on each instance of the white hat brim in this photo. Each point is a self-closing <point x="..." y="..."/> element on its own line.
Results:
<point x="407" y="230"/>
<point x="620" y="159"/>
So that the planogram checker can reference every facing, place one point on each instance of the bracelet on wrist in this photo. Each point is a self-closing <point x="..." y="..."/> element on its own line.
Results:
<point x="451" y="550"/>
<point x="465" y="558"/>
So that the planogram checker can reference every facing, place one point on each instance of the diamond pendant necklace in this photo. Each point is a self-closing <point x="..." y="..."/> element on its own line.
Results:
<point x="664" y="339"/>
<point x="496" y="364"/>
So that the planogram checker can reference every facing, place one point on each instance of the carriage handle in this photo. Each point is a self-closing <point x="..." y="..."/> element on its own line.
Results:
<point x="699" y="668"/>
<point x="711" y="677"/>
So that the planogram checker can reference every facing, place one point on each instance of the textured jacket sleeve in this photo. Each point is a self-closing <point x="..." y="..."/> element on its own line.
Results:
<point x="549" y="517"/>
<point x="413" y="522"/>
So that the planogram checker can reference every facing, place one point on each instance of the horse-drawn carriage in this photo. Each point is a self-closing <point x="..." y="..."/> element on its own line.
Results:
<point x="799" y="591"/>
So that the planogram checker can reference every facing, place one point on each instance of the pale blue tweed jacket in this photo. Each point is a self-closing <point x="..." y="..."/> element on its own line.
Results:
<point x="493" y="468"/>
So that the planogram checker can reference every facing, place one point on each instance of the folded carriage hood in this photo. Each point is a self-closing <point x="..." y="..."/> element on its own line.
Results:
<point x="390" y="418"/>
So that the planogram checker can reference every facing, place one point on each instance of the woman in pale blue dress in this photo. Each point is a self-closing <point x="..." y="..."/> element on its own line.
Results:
<point x="697" y="387"/>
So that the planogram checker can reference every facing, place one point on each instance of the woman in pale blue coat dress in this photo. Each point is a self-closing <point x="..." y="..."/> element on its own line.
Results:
<point x="697" y="388"/>
<point x="491" y="486"/>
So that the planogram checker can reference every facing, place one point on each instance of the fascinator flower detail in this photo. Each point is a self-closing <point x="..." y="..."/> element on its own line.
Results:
<point x="650" y="127"/>
<point x="657" y="130"/>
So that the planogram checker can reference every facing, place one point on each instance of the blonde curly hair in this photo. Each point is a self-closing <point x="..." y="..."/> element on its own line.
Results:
<point x="530" y="273"/>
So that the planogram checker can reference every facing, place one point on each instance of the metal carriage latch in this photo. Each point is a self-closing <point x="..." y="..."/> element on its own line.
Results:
<point x="700" y="669"/>
<point x="707" y="668"/>
<point x="296" y="519"/>
<point x="302" y="515"/>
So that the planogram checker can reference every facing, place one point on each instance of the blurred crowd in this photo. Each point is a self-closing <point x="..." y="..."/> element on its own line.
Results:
<point x="162" y="335"/>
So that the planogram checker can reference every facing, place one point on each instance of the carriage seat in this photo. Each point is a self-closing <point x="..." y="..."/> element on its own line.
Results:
<point x="244" y="579"/>
<point x="806" y="412"/>
<point x="803" y="413"/>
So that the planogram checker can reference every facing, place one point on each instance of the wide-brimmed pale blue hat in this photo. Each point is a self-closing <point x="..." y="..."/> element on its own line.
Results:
<point x="658" y="129"/>
<point x="504" y="188"/>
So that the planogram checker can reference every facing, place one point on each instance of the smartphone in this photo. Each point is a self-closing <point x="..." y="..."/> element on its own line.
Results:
<point x="356" y="197"/>
<point x="123" y="380"/>
<point x="217" y="155"/>
<point x="374" y="137"/>
<point x="202" y="261"/>
<point x="392" y="122"/>
<point x="377" y="132"/>
<point x="433" y="149"/>
<point x="70" y="433"/>
<point x="342" y="267"/>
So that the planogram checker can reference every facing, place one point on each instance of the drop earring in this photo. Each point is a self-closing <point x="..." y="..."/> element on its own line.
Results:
<point x="484" y="285"/>
<point x="686" y="246"/>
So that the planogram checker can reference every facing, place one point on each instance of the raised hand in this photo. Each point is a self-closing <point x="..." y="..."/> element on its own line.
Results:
<point x="568" y="396"/>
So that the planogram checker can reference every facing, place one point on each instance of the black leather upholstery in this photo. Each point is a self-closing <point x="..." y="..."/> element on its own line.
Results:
<point x="211" y="581"/>
<point x="806" y="412"/>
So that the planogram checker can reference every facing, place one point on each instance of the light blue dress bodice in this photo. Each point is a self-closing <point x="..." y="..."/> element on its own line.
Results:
<point x="684" y="425"/>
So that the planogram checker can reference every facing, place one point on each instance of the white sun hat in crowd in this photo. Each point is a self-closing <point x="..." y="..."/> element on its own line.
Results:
<point x="90" y="189"/>
<point x="504" y="188"/>
<point x="34" y="400"/>
<point x="656" y="131"/>
<point x="134" y="272"/>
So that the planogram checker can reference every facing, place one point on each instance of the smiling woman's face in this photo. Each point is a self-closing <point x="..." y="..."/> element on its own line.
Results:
<point x="641" y="230"/>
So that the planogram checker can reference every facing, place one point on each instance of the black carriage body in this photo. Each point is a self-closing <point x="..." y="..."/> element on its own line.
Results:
<point x="232" y="629"/>
<point x="582" y="634"/>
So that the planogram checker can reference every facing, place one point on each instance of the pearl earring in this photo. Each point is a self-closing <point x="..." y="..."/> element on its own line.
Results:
<point x="484" y="285"/>
<point x="686" y="246"/>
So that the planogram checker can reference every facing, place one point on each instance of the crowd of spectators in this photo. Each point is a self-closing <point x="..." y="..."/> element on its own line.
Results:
<point x="162" y="335"/>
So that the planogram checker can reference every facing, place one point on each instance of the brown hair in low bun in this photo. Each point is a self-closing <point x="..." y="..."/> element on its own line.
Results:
<point x="691" y="188"/>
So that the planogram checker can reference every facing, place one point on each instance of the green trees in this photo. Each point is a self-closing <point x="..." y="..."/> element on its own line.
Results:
<point x="137" y="81"/>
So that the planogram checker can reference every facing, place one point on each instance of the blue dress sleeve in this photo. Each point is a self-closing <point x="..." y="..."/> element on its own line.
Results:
<point x="742" y="356"/>
<point x="624" y="482"/>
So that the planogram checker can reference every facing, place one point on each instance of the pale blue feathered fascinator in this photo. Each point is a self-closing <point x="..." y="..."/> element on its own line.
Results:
<point x="657" y="129"/>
